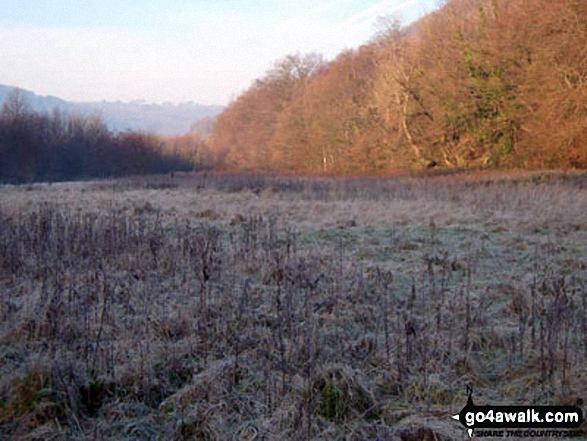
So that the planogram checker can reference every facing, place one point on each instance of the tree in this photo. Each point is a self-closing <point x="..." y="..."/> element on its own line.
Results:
<point x="19" y="153"/>
<point x="477" y="83"/>
<point x="396" y="91"/>
<point x="242" y="134"/>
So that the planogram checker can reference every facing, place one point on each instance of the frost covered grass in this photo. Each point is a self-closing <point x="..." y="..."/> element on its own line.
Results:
<point x="239" y="307"/>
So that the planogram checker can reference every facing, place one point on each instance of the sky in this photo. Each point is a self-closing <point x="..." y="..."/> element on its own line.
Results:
<point x="205" y="51"/>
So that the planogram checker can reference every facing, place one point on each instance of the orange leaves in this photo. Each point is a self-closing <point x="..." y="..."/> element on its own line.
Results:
<point x="476" y="83"/>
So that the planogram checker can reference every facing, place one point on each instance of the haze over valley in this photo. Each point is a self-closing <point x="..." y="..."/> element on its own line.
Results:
<point x="160" y="119"/>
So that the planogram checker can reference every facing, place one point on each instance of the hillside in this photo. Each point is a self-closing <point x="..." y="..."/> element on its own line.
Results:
<point x="475" y="84"/>
<point x="161" y="119"/>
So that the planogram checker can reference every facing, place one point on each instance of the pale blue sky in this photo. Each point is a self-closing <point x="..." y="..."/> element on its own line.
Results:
<point x="207" y="51"/>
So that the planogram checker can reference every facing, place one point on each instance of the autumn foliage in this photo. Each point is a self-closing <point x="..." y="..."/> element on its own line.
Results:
<point x="478" y="83"/>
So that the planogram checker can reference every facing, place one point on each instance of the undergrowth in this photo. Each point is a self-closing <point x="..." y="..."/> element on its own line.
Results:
<point x="119" y="324"/>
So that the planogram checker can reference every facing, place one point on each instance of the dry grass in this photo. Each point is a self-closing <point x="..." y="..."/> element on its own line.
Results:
<point x="231" y="307"/>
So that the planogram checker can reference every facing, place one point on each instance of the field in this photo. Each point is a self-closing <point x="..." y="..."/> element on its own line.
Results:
<point x="263" y="308"/>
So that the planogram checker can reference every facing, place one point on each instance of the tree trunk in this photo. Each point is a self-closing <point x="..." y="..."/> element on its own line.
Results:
<point x="404" y="123"/>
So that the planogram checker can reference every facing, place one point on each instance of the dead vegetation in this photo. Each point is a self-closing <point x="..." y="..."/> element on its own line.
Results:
<point x="262" y="308"/>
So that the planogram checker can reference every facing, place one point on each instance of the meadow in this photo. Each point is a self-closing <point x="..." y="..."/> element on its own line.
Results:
<point x="233" y="307"/>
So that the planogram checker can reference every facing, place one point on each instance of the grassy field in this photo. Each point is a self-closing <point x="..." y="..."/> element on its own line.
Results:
<point x="263" y="308"/>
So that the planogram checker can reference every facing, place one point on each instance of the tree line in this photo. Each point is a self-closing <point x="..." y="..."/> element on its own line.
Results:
<point x="36" y="146"/>
<point x="477" y="83"/>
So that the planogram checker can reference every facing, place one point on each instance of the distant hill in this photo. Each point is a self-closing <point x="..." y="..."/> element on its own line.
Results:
<point x="162" y="119"/>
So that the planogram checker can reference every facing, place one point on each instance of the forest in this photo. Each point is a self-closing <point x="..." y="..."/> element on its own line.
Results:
<point x="37" y="146"/>
<point x="475" y="84"/>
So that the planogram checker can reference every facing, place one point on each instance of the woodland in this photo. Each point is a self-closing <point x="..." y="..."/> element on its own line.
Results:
<point x="40" y="146"/>
<point x="475" y="84"/>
